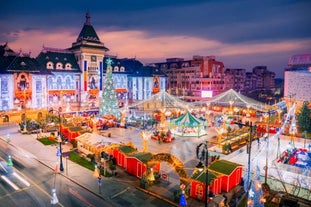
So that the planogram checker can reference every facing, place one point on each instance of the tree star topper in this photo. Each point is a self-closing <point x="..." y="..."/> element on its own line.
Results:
<point x="109" y="61"/>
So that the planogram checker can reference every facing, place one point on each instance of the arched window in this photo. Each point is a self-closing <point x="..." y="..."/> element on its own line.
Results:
<point x="50" y="83"/>
<point x="116" y="68"/>
<point x="59" y="65"/>
<point x="68" y="66"/>
<point x="122" y="69"/>
<point x="68" y="83"/>
<point x="59" y="83"/>
<point x="49" y="65"/>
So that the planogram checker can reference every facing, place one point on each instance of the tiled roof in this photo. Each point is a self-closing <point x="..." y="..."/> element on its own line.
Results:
<point x="224" y="166"/>
<point x="88" y="33"/>
<point x="129" y="64"/>
<point x="6" y="51"/>
<point x="5" y="62"/>
<point x="133" y="67"/>
<point x="61" y="56"/>
<point x="21" y="63"/>
<point x="88" y="37"/>
<point x="127" y="149"/>
<point x="201" y="176"/>
<point x="143" y="156"/>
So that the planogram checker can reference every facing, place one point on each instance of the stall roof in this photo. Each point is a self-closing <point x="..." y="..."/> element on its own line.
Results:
<point x="95" y="139"/>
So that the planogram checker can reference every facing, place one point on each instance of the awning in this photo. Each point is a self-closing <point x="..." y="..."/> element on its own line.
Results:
<point x="120" y="90"/>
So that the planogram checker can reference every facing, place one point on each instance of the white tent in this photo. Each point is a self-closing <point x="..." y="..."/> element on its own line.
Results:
<point x="89" y="143"/>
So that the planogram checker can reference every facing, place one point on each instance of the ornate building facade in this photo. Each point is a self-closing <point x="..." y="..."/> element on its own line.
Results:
<point x="71" y="79"/>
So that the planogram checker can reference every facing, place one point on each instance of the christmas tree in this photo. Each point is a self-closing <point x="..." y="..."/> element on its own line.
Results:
<point x="256" y="198"/>
<point x="109" y="105"/>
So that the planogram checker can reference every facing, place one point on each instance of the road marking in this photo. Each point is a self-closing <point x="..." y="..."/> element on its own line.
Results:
<point x="76" y="194"/>
<point x="9" y="182"/>
<point x="3" y="167"/>
<point x="123" y="191"/>
<point x="38" y="187"/>
<point x="21" y="179"/>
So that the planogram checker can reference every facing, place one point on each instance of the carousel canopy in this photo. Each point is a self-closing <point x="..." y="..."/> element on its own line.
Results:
<point x="236" y="99"/>
<point x="188" y="120"/>
<point x="161" y="100"/>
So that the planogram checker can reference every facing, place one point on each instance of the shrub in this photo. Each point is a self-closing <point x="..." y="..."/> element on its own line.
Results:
<point x="74" y="143"/>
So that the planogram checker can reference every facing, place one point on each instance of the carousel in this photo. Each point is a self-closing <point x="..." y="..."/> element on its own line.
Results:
<point x="188" y="126"/>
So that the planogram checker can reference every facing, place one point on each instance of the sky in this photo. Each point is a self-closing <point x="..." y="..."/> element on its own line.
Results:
<point x="241" y="33"/>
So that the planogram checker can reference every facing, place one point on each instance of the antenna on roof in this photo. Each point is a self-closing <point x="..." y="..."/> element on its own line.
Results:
<point x="88" y="18"/>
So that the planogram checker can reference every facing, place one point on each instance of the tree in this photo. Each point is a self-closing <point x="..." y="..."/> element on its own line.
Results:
<point x="109" y="103"/>
<point x="304" y="119"/>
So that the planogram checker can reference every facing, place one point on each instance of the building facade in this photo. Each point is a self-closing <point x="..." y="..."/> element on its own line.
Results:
<point x="235" y="79"/>
<point x="297" y="79"/>
<point x="188" y="78"/>
<point x="71" y="79"/>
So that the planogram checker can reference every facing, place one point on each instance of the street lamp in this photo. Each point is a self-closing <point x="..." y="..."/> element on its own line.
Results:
<point x="202" y="154"/>
<point x="59" y="140"/>
<point x="61" y="167"/>
<point x="249" y="146"/>
<point x="267" y="148"/>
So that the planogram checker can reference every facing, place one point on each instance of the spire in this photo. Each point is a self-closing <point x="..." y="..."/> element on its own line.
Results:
<point x="88" y="19"/>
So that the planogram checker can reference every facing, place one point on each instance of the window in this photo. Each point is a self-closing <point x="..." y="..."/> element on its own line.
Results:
<point x="116" y="68"/>
<point x="49" y="65"/>
<point x="59" y="66"/>
<point x="93" y="58"/>
<point x="122" y="69"/>
<point x="68" y="66"/>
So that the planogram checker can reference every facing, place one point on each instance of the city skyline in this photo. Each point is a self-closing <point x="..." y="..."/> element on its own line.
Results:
<point x="241" y="34"/>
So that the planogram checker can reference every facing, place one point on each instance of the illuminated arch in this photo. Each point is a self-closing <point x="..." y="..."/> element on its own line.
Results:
<point x="174" y="162"/>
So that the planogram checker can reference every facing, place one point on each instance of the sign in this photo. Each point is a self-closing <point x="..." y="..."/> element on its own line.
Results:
<point x="99" y="180"/>
<point x="206" y="94"/>
<point x="164" y="176"/>
<point x="66" y="154"/>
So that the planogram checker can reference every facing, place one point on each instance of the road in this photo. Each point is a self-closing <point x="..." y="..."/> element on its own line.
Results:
<point x="31" y="184"/>
<point x="116" y="191"/>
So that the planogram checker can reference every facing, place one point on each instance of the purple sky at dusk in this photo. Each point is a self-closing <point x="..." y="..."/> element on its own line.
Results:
<point x="242" y="33"/>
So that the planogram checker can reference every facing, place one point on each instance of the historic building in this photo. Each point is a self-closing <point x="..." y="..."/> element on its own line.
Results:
<point x="22" y="80"/>
<point x="71" y="79"/>
<point x="133" y="81"/>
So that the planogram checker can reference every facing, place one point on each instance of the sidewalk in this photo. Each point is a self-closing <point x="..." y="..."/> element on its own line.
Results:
<point x="112" y="187"/>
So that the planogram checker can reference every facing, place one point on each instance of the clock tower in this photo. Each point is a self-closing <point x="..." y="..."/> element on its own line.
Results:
<point x="89" y="52"/>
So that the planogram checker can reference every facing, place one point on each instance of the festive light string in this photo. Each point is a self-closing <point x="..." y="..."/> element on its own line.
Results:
<point x="253" y="199"/>
<point x="292" y="109"/>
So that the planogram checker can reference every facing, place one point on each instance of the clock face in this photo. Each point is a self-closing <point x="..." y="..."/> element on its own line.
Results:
<point x="93" y="58"/>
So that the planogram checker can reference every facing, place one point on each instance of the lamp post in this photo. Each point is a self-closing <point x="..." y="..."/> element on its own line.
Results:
<point x="251" y="128"/>
<point x="267" y="148"/>
<point x="59" y="140"/>
<point x="202" y="154"/>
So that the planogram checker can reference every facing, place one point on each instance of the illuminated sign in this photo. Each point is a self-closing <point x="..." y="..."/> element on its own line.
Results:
<point x="206" y="94"/>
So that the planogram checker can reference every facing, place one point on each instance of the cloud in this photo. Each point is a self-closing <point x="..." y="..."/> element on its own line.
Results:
<point x="33" y="40"/>
<point x="148" y="47"/>
<point x="140" y="44"/>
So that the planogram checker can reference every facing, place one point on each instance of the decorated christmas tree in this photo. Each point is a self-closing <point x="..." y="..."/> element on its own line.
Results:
<point x="256" y="198"/>
<point x="109" y="105"/>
